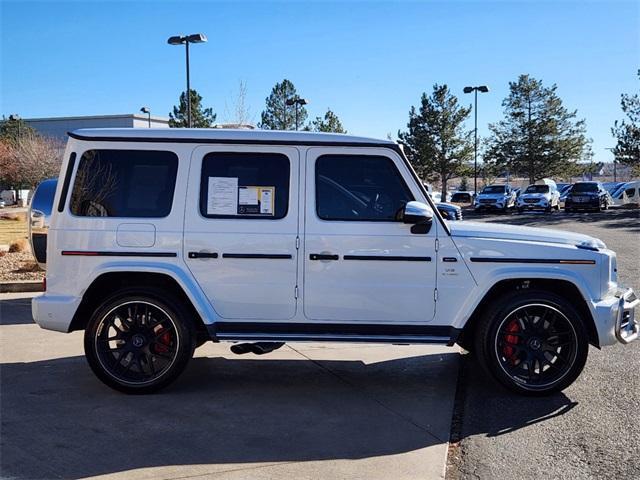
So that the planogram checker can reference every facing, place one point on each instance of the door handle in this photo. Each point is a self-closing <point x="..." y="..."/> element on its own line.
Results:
<point x="202" y="255"/>
<point x="323" y="256"/>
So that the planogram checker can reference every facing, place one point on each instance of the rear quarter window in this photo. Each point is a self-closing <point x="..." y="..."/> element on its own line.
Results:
<point x="124" y="183"/>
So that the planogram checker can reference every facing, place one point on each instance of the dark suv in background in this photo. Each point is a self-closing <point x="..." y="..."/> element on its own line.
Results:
<point x="587" y="196"/>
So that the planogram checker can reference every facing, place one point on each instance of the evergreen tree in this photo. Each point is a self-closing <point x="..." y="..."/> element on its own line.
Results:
<point x="200" y="117"/>
<point x="436" y="143"/>
<point x="330" y="123"/>
<point x="13" y="128"/>
<point x="277" y="114"/>
<point x="627" y="132"/>
<point x="538" y="136"/>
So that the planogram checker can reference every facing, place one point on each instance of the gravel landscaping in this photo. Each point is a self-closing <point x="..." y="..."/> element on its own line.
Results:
<point x="19" y="266"/>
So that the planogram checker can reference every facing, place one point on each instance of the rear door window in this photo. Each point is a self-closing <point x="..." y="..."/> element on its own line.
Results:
<point x="124" y="183"/>
<point x="245" y="185"/>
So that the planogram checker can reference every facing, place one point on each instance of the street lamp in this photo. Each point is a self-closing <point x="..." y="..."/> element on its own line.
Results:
<point x="297" y="101"/>
<point x="148" y="112"/>
<point x="186" y="40"/>
<point x="483" y="89"/>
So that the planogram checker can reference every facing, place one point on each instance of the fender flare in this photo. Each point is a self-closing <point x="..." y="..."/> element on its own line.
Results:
<point x="184" y="280"/>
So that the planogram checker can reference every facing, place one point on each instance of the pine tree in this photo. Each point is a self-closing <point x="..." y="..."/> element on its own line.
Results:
<point x="200" y="117"/>
<point x="627" y="132"/>
<point x="437" y="143"/>
<point x="538" y="136"/>
<point x="12" y="128"/>
<point x="330" y="123"/>
<point x="277" y="114"/>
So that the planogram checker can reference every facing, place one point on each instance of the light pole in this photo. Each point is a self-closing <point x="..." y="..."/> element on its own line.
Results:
<point x="297" y="101"/>
<point x="148" y="112"/>
<point x="186" y="40"/>
<point x="483" y="89"/>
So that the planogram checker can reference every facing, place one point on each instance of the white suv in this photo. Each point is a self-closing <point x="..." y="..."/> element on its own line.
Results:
<point x="160" y="240"/>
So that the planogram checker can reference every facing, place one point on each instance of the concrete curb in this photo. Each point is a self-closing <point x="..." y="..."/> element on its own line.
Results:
<point x="21" y="286"/>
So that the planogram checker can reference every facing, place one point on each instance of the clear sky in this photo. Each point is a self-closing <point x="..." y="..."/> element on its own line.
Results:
<point x="367" y="61"/>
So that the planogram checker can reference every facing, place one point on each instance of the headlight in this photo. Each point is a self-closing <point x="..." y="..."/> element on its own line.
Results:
<point x="591" y="244"/>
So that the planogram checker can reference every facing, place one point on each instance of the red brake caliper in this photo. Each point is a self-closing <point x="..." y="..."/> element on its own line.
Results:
<point x="162" y="345"/>
<point x="508" y="350"/>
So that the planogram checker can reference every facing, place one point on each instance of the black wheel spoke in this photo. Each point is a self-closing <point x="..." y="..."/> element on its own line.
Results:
<point x="541" y="349"/>
<point x="137" y="342"/>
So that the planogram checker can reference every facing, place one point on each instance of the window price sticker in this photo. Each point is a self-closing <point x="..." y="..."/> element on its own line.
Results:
<point x="256" y="200"/>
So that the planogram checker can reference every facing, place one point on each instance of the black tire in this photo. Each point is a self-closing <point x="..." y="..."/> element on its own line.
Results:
<point x="149" y="348"/>
<point x="567" y="210"/>
<point x="532" y="342"/>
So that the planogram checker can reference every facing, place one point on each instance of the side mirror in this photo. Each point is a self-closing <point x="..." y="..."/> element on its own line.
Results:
<point x="419" y="215"/>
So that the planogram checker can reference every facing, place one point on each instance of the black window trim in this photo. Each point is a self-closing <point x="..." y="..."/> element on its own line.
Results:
<point x="243" y="217"/>
<point x="67" y="180"/>
<point x="359" y="154"/>
<point x="394" y="147"/>
<point x="173" y="195"/>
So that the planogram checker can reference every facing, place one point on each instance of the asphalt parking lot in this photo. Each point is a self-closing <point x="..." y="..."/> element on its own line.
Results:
<point x="306" y="411"/>
<point x="318" y="410"/>
<point x="589" y="431"/>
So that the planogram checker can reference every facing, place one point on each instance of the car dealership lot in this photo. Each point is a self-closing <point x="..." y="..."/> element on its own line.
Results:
<point x="304" y="411"/>
<point x="320" y="410"/>
<point x="591" y="430"/>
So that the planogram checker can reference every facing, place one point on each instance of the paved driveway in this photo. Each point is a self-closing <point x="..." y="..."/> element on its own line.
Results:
<point x="305" y="411"/>
<point x="592" y="429"/>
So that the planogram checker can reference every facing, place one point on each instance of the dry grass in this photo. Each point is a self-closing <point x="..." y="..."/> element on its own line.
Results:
<point x="13" y="230"/>
<point x="14" y="217"/>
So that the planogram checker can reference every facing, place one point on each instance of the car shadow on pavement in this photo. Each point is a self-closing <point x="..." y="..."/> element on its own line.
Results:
<point x="59" y="421"/>
<point x="12" y="311"/>
<point x="491" y="410"/>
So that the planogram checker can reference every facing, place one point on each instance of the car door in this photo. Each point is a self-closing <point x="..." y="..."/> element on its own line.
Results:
<point x="360" y="263"/>
<point x="241" y="229"/>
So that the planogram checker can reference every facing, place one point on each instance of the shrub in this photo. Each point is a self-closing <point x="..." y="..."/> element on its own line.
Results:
<point x="19" y="246"/>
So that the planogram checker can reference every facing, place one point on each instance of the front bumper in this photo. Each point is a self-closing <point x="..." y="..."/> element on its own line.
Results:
<point x="615" y="318"/>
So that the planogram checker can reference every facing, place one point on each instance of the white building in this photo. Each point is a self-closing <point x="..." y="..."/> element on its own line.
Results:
<point x="58" y="127"/>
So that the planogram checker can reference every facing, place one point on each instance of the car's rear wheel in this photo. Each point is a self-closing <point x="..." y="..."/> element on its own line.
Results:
<point x="139" y="341"/>
<point x="533" y="343"/>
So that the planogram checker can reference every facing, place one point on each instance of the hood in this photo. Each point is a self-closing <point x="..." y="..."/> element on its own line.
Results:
<point x="535" y="195"/>
<point x="529" y="234"/>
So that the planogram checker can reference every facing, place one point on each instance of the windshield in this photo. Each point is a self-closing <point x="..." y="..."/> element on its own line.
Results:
<point x="493" y="189"/>
<point x="537" y="189"/>
<point x="584" y="187"/>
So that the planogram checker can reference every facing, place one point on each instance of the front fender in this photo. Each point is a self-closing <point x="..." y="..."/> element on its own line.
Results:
<point x="513" y="273"/>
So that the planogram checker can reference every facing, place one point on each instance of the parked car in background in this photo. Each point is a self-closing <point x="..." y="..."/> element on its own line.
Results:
<point x="437" y="197"/>
<point x="627" y="194"/>
<point x="562" y="186"/>
<point x="612" y="187"/>
<point x="587" y="196"/>
<point x="563" y="193"/>
<point x="462" y="196"/>
<point x="449" y="211"/>
<point x="495" y="197"/>
<point x="542" y="195"/>
<point x="2" y="203"/>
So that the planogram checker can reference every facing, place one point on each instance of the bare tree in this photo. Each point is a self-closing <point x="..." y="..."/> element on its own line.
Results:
<point x="30" y="160"/>
<point x="239" y="113"/>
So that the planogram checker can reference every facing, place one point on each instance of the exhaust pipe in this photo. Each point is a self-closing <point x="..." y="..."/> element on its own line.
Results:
<point x="258" y="348"/>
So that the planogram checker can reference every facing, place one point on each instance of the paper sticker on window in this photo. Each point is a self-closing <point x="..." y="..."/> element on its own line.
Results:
<point x="222" y="196"/>
<point x="255" y="200"/>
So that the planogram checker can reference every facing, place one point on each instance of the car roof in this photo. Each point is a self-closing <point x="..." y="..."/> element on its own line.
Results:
<point x="212" y="135"/>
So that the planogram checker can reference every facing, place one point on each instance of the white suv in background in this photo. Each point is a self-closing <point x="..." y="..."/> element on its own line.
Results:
<point x="495" y="197"/>
<point x="542" y="195"/>
<point x="160" y="240"/>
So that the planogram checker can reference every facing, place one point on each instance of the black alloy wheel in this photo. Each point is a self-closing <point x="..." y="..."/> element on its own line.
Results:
<point x="138" y="343"/>
<point x="533" y="343"/>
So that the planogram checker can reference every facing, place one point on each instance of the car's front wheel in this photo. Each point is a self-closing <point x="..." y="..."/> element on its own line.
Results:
<point x="532" y="342"/>
<point x="139" y="341"/>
